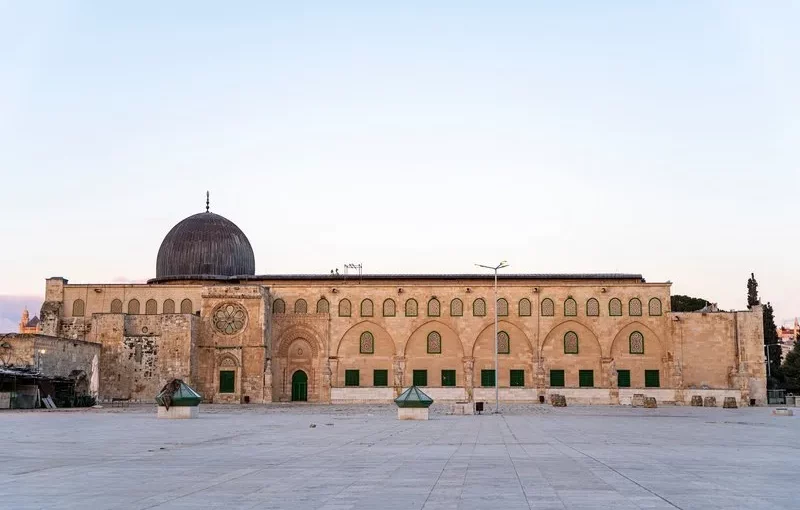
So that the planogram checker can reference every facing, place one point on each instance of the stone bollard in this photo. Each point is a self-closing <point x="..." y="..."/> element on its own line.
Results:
<point x="557" y="400"/>
<point x="710" y="402"/>
<point x="637" y="400"/>
<point x="697" y="401"/>
<point x="729" y="403"/>
<point x="650" y="402"/>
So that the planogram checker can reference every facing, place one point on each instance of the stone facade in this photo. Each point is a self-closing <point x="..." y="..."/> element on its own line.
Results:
<point x="278" y="338"/>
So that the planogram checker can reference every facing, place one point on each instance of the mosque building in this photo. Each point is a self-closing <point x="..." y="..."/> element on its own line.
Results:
<point x="239" y="337"/>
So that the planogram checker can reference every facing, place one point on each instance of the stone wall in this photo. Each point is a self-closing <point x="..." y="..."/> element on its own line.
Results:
<point x="140" y="353"/>
<point x="52" y="356"/>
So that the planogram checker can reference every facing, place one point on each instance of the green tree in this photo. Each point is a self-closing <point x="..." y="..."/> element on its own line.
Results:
<point x="752" y="291"/>
<point x="679" y="303"/>
<point x="773" y="347"/>
<point x="791" y="367"/>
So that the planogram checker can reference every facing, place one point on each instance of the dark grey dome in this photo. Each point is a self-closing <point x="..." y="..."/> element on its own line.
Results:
<point x="205" y="245"/>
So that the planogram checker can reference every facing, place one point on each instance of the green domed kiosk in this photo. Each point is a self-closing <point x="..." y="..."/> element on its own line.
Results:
<point x="413" y="404"/>
<point x="177" y="400"/>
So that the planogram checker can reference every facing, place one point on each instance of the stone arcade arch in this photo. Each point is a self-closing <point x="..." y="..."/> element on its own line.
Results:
<point x="520" y="355"/>
<point x="653" y="357"/>
<point x="449" y="356"/>
<point x="351" y="355"/>
<point x="589" y="356"/>
<point x="299" y="348"/>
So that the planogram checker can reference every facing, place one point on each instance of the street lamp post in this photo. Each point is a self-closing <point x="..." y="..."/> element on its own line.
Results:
<point x="501" y="265"/>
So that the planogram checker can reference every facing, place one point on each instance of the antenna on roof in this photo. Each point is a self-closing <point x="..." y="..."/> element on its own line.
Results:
<point x="208" y="195"/>
<point x="353" y="266"/>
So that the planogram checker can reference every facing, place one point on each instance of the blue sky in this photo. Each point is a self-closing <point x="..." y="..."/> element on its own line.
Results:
<point x="651" y="137"/>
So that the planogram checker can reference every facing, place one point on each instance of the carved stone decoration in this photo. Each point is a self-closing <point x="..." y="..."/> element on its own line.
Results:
<point x="229" y="318"/>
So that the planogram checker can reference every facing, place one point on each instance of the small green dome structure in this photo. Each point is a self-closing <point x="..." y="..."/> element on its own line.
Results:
<point x="413" y="397"/>
<point x="177" y="393"/>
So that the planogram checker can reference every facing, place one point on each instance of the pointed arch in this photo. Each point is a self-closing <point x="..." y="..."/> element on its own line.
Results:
<point x="278" y="306"/>
<point x="169" y="306"/>
<point x="447" y="354"/>
<point x="133" y="307"/>
<point x="654" y="306"/>
<point x="366" y="308"/>
<point x="502" y="307"/>
<point x="186" y="306"/>
<point x="349" y="343"/>
<point x="525" y="307"/>
<point x="635" y="307"/>
<point x="299" y="331"/>
<point x="554" y="338"/>
<point x="323" y="306"/>
<point x="570" y="307"/>
<point x="456" y="308"/>
<point x="116" y="306"/>
<point x="592" y="307"/>
<point x="78" y="308"/>
<point x="411" y="307"/>
<point x="620" y="346"/>
<point x="151" y="307"/>
<point x="300" y="306"/>
<point x="345" y="308"/>
<point x="389" y="307"/>
<point x="434" y="307"/>
<point x="519" y="343"/>
<point x="548" y="308"/>
<point x="615" y="308"/>
<point x="479" y="307"/>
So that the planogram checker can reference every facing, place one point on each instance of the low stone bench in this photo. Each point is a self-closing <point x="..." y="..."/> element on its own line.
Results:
<point x="462" y="408"/>
<point x="710" y="402"/>
<point x="697" y="401"/>
<point x="729" y="403"/>
<point x="783" y="411"/>
<point x="637" y="400"/>
<point x="650" y="402"/>
<point x="557" y="400"/>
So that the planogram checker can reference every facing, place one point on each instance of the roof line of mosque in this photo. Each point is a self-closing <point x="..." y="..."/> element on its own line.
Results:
<point x="374" y="277"/>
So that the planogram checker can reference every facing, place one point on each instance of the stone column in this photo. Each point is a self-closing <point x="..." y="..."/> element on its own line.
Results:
<point x="398" y="373"/>
<point x="268" y="380"/>
<point x="325" y="394"/>
<point x="609" y="376"/>
<point x="541" y="375"/>
<point x="469" y="375"/>
<point x="333" y="372"/>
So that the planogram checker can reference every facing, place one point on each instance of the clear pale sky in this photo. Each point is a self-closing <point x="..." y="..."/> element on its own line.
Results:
<point x="650" y="137"/>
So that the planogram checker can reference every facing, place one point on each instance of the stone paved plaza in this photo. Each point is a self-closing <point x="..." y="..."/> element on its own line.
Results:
<point x="362" y="457"/>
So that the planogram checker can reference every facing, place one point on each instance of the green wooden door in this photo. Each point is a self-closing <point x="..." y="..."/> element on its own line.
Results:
<point x="299" y="386"/>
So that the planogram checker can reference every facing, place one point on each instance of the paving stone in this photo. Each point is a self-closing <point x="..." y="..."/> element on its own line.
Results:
<point x="531" y="456"/>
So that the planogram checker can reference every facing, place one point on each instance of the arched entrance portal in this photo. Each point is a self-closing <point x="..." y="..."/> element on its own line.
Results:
<point x="299" y="386"/>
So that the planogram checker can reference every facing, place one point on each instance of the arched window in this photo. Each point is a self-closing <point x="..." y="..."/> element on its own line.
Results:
<point x="389" y="308"/>
<point x="503" y="343"/>
<point x="434" y="343"/>
<point x="570" y="343"/>
<point x="186" y="306"/>
<point x="169" y="306"/>
<point x="525" y="307"/>
<point x="456" y="308"/>
<point x="479" y="308"/>
<point x="78" y="308"/>
<point x="570" y="308"/>
<point x="279" y="306"/>
<point x="133" y="307"/>
<point x="636" y="343"/>
<point x="366" y="308"/>
<point x="502" y="307"/>
<point x="635" y="307"/>
<point x="151" y="307"/>
<point x="345" y="308"/>
<point x="434" y="307"/>
<point x="300" y="306"/>
<point x="323" y="306"/>
<point x="615" y="307"/>
<point x="654" y="306"/>
<point x="116" y="306"/>
<point x="548" y="307"/>
<point x="366" y="343"/>
<point x="593" y="307"/>
<point x="411" y="308"/>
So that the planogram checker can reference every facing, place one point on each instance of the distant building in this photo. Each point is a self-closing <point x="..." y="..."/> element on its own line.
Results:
<point x="787" y="337"/>
<point x="28" y="325"/>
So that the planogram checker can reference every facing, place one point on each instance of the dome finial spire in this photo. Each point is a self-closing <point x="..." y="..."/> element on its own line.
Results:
<point x="207" y="200"/>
